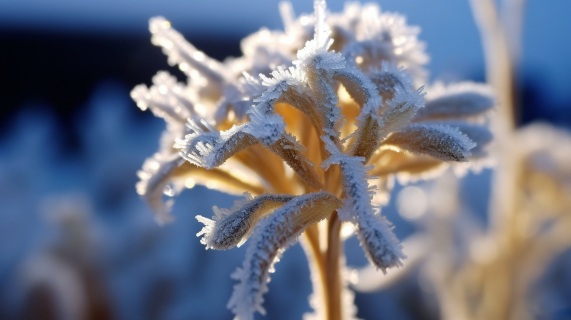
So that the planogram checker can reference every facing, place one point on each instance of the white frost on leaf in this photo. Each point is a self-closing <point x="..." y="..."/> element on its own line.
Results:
<point x="439" y="141"/>
<point x="231" y="227"/>
<point x="459" y="101"/>
<point x="270" y="239"/>
<point x="375" y="232"/>
<point x="192" y="62"/>
<point x="480" y="135"/>
<point x="154" y="178"/>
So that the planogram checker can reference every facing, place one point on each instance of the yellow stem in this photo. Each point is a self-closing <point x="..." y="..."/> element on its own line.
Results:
<point x="333" y="270"/>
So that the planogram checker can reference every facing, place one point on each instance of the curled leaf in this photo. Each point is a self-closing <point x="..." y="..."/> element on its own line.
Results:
<point x="166" y="98"/>
<point x="375" y="232"/>
<point x="229" y="228"/>
<point x="271" y="237"/>
<point x="389" y="79"/>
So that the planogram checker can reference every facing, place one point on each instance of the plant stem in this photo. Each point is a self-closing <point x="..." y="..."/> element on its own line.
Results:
<point x="333" y="283"/>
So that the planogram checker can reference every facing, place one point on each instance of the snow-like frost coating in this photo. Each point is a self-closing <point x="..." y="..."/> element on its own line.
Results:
<point x="310" y="112"/>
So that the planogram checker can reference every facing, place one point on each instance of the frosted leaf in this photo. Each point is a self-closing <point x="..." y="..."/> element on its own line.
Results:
<point x="162" y="170"/>
<point x="380" y="244"/>
<point x="290" y="150"/>
<point x="315" y="54"/>
<point x="389" y="79"/>
<point x="281" y="79"/>
<point x="442" y="142"/>
<point x="361" y="89"/>
<point x="372" y="129"/>
<point x="368" y="279"/>
<point x="375" y="232"/>
<point x="266" y="128"/>
<point x="405" y="105"/>
<point x="406" y="167"/>
<point x="210" y="149"/>
<point x="166" y="98"/>
<point x="180" y="52"/>
<point x="155" y="175"/>
<point x="229" y="228"/>
<point x="480" y="135"/>
<point x="271" y="237"/>
<point x="385" y="37"/>
<point x="465" y="100"/>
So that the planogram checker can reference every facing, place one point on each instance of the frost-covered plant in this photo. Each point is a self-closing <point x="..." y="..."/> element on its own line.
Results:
<point x="301" y="122"/>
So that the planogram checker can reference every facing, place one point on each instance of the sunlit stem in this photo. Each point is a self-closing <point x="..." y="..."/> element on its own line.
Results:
<point x="333" y="287"/>
<point x="501" y="42"/>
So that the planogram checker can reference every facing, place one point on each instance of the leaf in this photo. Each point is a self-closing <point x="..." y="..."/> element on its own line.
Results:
<point x="462" y="101"/>
<point x="375" y="232"/>
<point x="407" y="167"/>
<point x="166" y="98"/>
<point x="380" y="244"/>
<point x="180" y="52"/>
<point x="480" y="135"/>
<point x="271" y="237"/>
<point x="161" y="171"/>
<point x="370" y="280"/>
<point x="210" y="148"/>
<point x="439" y="141"/>
<point x="229" y="228"/>
<point x="389" y="79"/>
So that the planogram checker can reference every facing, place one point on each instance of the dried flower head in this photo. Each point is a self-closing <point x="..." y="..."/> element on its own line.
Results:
<point x="302" y="122"/>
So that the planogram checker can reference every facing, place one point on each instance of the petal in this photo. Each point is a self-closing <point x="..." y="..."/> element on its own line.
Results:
<point x="379" y="242"/>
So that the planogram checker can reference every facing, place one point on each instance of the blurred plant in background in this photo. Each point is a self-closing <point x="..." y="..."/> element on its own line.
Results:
<point x="490" y="272"/>
<point x="349" y="109"/>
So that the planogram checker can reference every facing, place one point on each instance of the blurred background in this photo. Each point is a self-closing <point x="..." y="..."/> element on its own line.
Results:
<point x="75" y="236"/>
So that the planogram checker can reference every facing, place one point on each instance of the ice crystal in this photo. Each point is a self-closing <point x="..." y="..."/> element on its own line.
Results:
<point x="302" y="121"/>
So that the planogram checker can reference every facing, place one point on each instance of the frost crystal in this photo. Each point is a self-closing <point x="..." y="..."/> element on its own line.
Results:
<point x="301" y="121"/>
